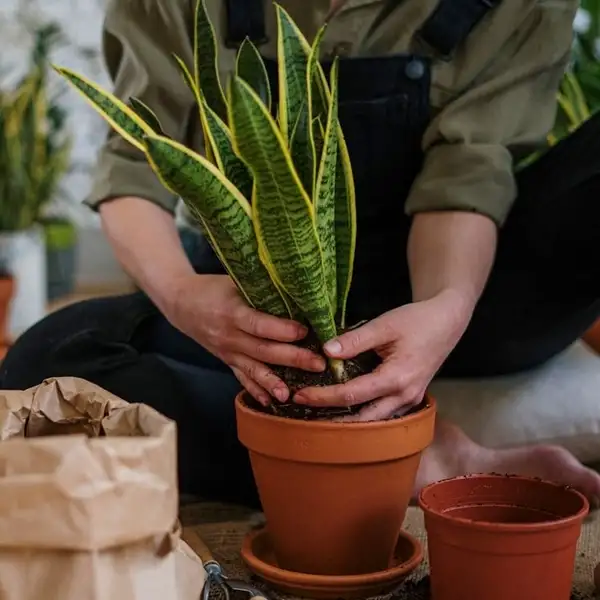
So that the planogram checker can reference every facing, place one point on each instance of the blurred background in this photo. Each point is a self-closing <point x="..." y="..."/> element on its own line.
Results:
<point x="52" y="250"/>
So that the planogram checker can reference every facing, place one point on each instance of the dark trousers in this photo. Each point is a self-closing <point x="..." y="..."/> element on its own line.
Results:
<point x="544" y="292"/>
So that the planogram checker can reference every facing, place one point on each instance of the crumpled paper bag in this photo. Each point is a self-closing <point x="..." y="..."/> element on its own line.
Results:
<point x="88" y="499"/>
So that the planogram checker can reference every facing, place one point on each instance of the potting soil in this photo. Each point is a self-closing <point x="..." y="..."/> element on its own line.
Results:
<point x="420" y="590"/>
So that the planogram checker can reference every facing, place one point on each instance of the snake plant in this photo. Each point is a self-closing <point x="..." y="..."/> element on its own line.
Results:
<point x="274" y="196"/>
<point x="34" y="149"/>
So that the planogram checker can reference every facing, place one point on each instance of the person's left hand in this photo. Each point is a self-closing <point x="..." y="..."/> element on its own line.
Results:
<point x="413" y="341"/>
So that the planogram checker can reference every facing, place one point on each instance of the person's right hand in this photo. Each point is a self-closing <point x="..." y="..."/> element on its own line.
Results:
<point x="211" y="310"/>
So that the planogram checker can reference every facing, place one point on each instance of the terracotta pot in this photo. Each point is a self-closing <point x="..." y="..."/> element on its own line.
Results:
<point x="592" y="336"/>
<point x="334" y="494"/>
<point x="494" y="537"/>
<point x="7" y="290"/>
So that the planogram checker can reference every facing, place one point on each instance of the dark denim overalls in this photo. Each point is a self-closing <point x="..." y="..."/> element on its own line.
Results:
<point x="543" y="292"/>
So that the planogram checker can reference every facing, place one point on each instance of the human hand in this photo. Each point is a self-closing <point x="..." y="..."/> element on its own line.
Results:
<point x="210" y="309"/>
<point x="413" y="341"/>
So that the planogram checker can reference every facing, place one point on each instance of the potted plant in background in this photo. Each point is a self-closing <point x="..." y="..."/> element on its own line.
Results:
<point x="574" y="110"/>
<point x="276" y="201"/>
<point x="7" y="290"/>
<point x="34" y="156"/>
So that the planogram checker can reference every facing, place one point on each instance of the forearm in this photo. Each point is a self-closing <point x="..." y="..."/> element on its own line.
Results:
<point x="451" y="253"/>
<point x="145" y="240"/>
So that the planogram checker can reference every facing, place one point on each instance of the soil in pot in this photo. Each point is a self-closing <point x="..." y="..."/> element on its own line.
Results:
<point x="494" y="537"/>
<point x="296" y="379"/>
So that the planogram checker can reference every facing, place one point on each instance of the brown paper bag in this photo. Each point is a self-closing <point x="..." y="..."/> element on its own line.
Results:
<point x="88" y="499"/>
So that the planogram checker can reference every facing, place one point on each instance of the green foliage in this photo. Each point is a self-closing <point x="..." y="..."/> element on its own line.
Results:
<point x="274" y="197"/>
<point x="34" y="150"/>
<point x="585" y="63"/>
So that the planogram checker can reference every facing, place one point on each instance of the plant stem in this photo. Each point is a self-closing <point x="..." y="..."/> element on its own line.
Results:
<point x="338" y="368"/>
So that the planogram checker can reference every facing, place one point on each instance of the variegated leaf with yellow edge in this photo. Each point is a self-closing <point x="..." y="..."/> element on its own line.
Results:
<point x="217" y="139"/>
<point x="224" y="214"/>
<point x="325" y="190"/>
<point x="118" y="115"/>
<point x="142" y="110"/>
<point x="295" y="118"/>
<point x="345" y="227"/>
<point x="250" y="67"/>
<point x="345" y="196"/>
<point x="206" y="64"/>
<point x="282" y="211"/>
<point x="188" y="78"/>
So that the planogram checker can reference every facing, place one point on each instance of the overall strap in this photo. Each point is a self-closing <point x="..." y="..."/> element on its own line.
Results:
<point x="245" y="19"/>
<point x="452" y="21"/>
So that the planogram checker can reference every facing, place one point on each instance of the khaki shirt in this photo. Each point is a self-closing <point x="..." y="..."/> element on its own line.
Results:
<point x="492" y="102"/>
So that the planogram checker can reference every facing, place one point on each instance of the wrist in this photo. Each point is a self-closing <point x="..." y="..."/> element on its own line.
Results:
<point x="457" y="304"/>
<point x="171" y="289"/>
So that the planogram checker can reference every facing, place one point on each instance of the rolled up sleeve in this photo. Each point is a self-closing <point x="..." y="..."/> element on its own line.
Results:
<point x="139" y="38"/>
<point x="507" y="111"/>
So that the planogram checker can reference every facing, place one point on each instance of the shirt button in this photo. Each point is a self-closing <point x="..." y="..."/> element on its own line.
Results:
<point x="415" y="69"/>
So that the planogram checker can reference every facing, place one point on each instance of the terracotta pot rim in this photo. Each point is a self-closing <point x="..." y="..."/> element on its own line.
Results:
<point x="295" y="578"/>
<point x="466" y="523"/>
<point x="429" y="407"/>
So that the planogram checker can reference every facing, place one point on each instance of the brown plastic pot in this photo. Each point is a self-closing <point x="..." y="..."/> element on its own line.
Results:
<point x="496" y="537"/>
<point x="7" y="290"/>
<point x="334" y="494"/>
<point x="592" y="337"/>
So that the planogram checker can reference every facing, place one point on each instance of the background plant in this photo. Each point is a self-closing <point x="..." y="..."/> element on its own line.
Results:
<point x="34" y="146"/>
<point x="275" y="198"/>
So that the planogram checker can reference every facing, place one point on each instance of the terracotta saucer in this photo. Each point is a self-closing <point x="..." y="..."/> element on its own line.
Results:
<point x="258" y="555"/>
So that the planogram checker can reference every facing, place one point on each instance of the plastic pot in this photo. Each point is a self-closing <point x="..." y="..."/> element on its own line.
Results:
<point x="61" y="256"/>
<point x="7" y="290"/>
<point x="496" y="537"/>
<point x="334" y="494"/>
<point x="592" y="337"/>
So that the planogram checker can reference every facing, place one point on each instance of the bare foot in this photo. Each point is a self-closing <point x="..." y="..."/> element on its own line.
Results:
<point x="453" y="453"/>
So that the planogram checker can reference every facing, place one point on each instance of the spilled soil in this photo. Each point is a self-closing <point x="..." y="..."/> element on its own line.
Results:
<point x="421" y="590"/>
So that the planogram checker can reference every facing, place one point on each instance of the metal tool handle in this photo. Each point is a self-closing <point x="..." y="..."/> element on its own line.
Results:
<point x="196" y="543"/>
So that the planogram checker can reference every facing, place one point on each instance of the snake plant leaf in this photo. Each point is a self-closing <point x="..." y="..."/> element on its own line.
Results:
<point x="217" y="138"/>
<point x="295" y="116"/>
<point x="303" y="149"/>
<point x="324" y="198"/>
<point x="318" y="91"/>
<point x="145" y="113"/>
<point x="188" y="78"/>
<point x="576" y="96"/>
<point x="319" y="137"/>
<point x="251" y="68"/>
<point x="224" y="214"/>
<point x="229" y="163"/>
<point x="292" y="57"/>
<point x="282" y="212"/>
<point x="206" y="66"/>
<point x="345" y="227"/>
<point x="121" y="118"/>
<point x="293" y="308"/>
<point x="345" y="196"/>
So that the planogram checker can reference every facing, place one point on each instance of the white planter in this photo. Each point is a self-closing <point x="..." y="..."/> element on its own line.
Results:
<point x="23" y="253"/>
